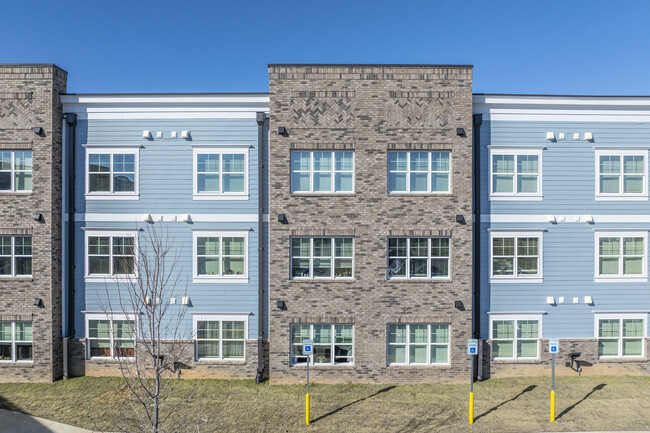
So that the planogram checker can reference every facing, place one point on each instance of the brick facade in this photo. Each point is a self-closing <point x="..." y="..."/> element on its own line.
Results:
<point x="371" y="109"/>
<point x="30" y="97"/>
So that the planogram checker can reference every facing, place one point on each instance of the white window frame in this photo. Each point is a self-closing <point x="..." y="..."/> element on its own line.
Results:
<point x="516" y="318"/>
<point x="520" y="233"/>
<point x="332" y="344"/>
<point x="220" y="150"/>
<point x="14" y="342"/>
<point x="621" y="152"/>
<point x="332" y="172"/>
<point x="428" y="344"/>
<point x="218" y="317"/>
<point x="620" y="278"/>
<point x="311" y="257"/>
<point x="515" y="195"/>
<point x="408" y="173"/>
<point x="110" y="317"/>
<point x="13" y="171"/>
<point x="135" y="195"/>
<point x="241" y="279"/>
<point x="89" y="232"/>
<point x="13" y="256"/>
<point x="408" y="259"/>
<point x="620" y="317"/>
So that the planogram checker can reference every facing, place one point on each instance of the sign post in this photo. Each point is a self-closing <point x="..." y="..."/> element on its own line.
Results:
<point x="308" y="350"/>
<point x="553" y="348"/>
<point x="472" y="349"/>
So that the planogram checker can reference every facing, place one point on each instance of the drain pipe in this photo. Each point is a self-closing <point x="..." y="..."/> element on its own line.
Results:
<point x="261" y="210"/>
<point x="476" y="303"/>
<point x="71" y="121"/>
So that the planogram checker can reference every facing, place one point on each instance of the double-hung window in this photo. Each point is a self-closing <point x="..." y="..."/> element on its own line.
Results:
<point x="110" y="336"/>
<point x="15" y="256"/>
<point x="621" y="174"/>
<point x="110" y="254"/>
<point x="112" y="174"/>
<point x="620" y="335"/>
<point x="220" y="338"/>
<point x="621" y="256"/>
<point x="220" y="256"/>
<point x="322" y="171"/>
<point x="515" y="173"/>
<point x="328" y="257"/>
<point x="419" y="343"/>
<point x="515" y="337"/>
<point x="15" y="171"/>
<point x="419" y="172"/>
<point x="419" y="258"/>
<point x="516" y="256"/>
<point x="333" y="344"/>
<point x="16" y="341"/>
<point x="220" y="173"/>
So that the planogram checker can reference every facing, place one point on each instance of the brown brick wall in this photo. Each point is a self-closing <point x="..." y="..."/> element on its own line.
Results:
<point x="370" y="109"/>
<point x="30" y="97"/>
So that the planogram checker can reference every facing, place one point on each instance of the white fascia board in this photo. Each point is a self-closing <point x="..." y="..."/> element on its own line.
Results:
<point x="167" y="218"/>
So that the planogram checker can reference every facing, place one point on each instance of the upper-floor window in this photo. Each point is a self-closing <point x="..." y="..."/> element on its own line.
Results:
<point x="322" y="171"/>
<point x="322" y="257"/>
<point x="418" y="343"/>
<point x="110" y="336"/>
<point x="110" y="254"/>
<point x="419" y="172"/>
<point x="220" y="173"/>
<point x="620" y="334"/>
<point x="111" y="174"/>
<point x="16" y="341"/>
<point x="220" y="256"/>
<point x="15" y="171"/>
<point x="621" y="174"/>
<point x="15" y="256"/>
<point x="515" y="337"/>
<point x="419" y="258"/>
<point x="333" y="343"/>
<point x="515" y="173"/>
<point x="621" y="256"/>
<point x="220" y="337"/>
<point x="516" y="256"/>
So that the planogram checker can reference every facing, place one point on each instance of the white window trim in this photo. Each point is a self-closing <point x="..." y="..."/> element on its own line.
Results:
<point x="108" y="316"/>
<point x="408" y="174"/>
<point x="428" y="345"/>
<point x="621" y="196"/>
<point x="333" y="172"/>
<point x="14" y="342"/>
<point x="13" y="257"/>
<point x="219" y="150"/>
<point x="333" y="363"/>
<point x="311" y="258"/>
<point x="134" y="150"/>
<point x="408" y="259"/>
<point x="643" y="278"/>
<point x="515" y="196"/>
<point x="12" y="171"/>
<point x="100" y="278"/>
<point x="225" y="279"/>
<point x="218" y="317"/>
<point x="532" y="279"/>
<point x="620" y="317"/>
<point x="516" y="318"/>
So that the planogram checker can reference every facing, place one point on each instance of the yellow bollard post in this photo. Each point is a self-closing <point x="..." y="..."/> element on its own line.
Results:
<point x="552" y="405"/>
<point x="471" y="408"/>
<point x="307" y="409"/>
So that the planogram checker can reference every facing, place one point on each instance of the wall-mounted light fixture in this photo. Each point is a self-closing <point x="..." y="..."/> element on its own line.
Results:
<point x="460" y="132"/>
<point x="460" y="219"/>
<point x="147" y="300"/>
<point x="146" y="135"/>
<point x="282" y="218"/>
<point x="281" y="305"/>
<point x="589" y="136"/>
<point x="185" y="300"/>
<point x="550" y="300"/>
<point x="459" y="305"/>
<point x="187" y="218"/>
<point x="37" y="216"/>
<point x="185" y="135"/>
<point x="550" y="218"/>
<point x="146" y="218"/>
<point x="38" y="302"/>
<point x="282" y="130"/>
<point x="589" y="300"/>
<point x="589" y="219"/>
<point x="38" y="130"/>
<point x="550" y="136"/>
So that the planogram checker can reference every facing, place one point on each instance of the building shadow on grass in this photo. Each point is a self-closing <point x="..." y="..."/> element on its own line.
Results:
<point x="388" y="388"/>
<point x="568" y="409"/>
<point x="489" y="411"/>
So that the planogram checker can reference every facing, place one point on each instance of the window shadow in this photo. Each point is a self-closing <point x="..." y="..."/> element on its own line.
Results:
<point x="568" y="409"/>
<point x="530" y="388"/>
<point x="353" y="403"/>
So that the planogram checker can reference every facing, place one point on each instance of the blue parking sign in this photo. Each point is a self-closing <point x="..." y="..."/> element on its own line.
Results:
<point x="307" y="347"/>
<point x="554" y="345"/>
<point x="472" y="346"/>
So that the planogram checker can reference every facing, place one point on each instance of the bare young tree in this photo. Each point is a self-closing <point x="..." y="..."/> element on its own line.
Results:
<point x="149" y="345"/>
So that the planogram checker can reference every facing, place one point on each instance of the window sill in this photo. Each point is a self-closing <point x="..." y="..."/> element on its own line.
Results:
<point x="516" y="361"/>
<point x="621" y="280"/>
<point x="419" y="366"/>
<point x="516" y="197"/>
<point x="16" y="192"/>
<point x="107" y="359"/>
<point x="218" y="197"/>
<point x="10" y="278"/>
<point x="221" y="361"/>
<point x="323" y="280"/>
<point x="219" y="280"/>
<point x="323" y="194"/>
<point x="325" y="367"/>
<point x="23" y="364"/>
<point x="621" y="197"/>
<point x="420" y="194"/>
<point x="419" y="280"/>
<point x="621" y="359"/>
<point x="516" y="280"/>
<point x="112" y="197"/>
<point x="109" y="279"/>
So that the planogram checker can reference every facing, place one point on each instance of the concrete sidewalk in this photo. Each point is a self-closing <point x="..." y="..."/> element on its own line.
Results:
<point x="14" y="422"/>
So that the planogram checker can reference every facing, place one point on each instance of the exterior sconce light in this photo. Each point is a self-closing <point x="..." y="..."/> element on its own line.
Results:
<point x="38" y="130"/>
<point x="185" y="135"/>
<point x="38" y="302"/>
<point x="282" y="131"/>
<point x="550" y="218"/>
<point x="185" y="300"/>
<point x="281" y="305"/>
<point x="459" y="305"/>
<point x="589" y="136"/>
<point x="589" y="219"/>
<point x="460" y="219"/>
<point x="146" y="135"/>
<point x="187" y="218"/>
<point x="589" y="300"/>
<point x="550" y="136"/>
<point x="37" y="216"/>
<point x="550" y="300"/>
<point x="146" y="218"/>
<point x="282" y="218"/>
<point x="460" y="132"/>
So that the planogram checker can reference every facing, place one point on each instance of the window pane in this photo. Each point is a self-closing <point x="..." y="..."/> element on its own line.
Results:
<point x="207" y="163"/>
<point x="607" y="347"/>
<point x="233" y="329"/>
<point x="527" y="184"/>
<point x="233" y="349"/>
<point x="207" y="182"/>
<point x="632" y="266"/>
<point x="23" y="181"/>
<point x="5" y="245"/>
<point x="439" y="334"/>
<point x="608" y="328"/>
<point x="343" y="334"/>
<point x="632" y="328"/>
<point x="419" y="161"/>
<point x="633" y="164"/>
<point x="322" y="334"/>
<point x="300" y="268"/>
<point x="609" y="184"/>
<point x="527" y="349"/>
<point x="5" y="181"/>
<point x="322" y="247"/>
<point x="527" y="246"/>
<point x="503" y="329"/>
<point x="397" y="267"/>
<point x="439" y="161"/>
<point x="322" y="161"/>
<point x="23" y="245"/>
<point x="417" y="354"/>
<point x="5" y="331"/>
<point x="342" y="268"/>
<point x="322" y="354"/>
<point x="207" y="349"/>
<point x="439" y="268"/>
<point x="207" y="246"/>
<point x="343" y="247"/>
<point x="322" y="182"/>
<point x="123" y="265"/>
<point x="527" y="329"/>
<point x="633" y="184"/>
<point x="300" y="182"/>
<point x="233" y="163"/>
<point x="503" y="266"/>
<point x="300" y="161"/>
<point x="397" y="333"/>
<point x="610" y="164"/>
<point x="207" y="266"/>
<point x="207" y="329"/>
<point x="299" y="333"/>
<point x="502" y="183"/>
<point x="439" y="354"/>
<point x="101" y="348"/>
<point x="233" y="266"/>
<point x="233" y="183"/>
<point x="419" y="247"/>
<point x="609" y="246"/>
<point x="99" y="163"/>
<point x="5" y="352"/>
<point x="99" y="245"/>
<point x="5" y="160"/>
<point x="608" y="266"/>
<point x="23" y="265"/>
<point x="343" y="353"/>
<point x="396" y="182"/>
<point x="123" y="163"/>
<point x="503" y="246"/>
<point x="439" y="182"/>
<point x="322" y="268"/>
<point x="396" y="354"/>
<point x="344" y="161"/>
<point x="300" y="247"/>
<point x="527" y="164"/>
<point x="527" y="266"/>
<point x="123" y="329"/>
<point x="124" y="182"/>
<point x="397" y="161"/>
<point x="418" y="334"/>
<point x="98" y="265"/>
<point x="233" y="246"/>
<point x="23" y="160"/>
<point x="632" y="347"/>
<point x="124" y="348"/>
<point x="343" y="182"/>
<point x="24" y="352"/>
<point x="419" y="182"/>
<point x="5" y="265"/>
<point x="99" y="328"/>
<point x="123" y="245"/>
<point x="633" y="246"/>
<point x="502" y="349"/>
<point x="99" y="182"/>
<point x="418" y="267"/>
<point x="503" y="164"/>
<point x="397" y="247"/>
<point x="440" y="247"/>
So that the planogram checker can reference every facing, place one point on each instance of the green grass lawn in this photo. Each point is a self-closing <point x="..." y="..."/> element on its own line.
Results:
<point x="508" y="405"/>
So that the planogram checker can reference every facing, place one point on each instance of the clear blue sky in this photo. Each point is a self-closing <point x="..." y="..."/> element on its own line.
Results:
<point x="516" y="46"/>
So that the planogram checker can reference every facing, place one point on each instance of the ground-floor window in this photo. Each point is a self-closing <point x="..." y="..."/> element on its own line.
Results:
<point x="110" y="336"/>
<point x="620" y="335"/>
<point x="418" y="343"/>
<point x="333" y="344"/>
<point x="16" y="341"/>
<point x="515" y="337"/>
<point x="220" y="337"/>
